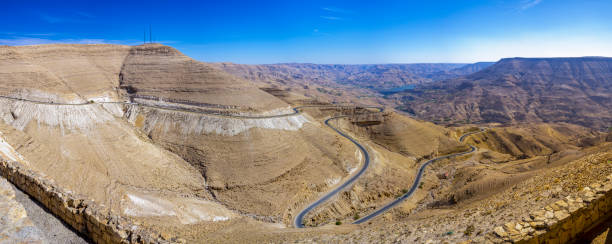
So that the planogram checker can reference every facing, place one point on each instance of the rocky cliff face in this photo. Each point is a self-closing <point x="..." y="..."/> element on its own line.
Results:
<point x="572" y="90"/>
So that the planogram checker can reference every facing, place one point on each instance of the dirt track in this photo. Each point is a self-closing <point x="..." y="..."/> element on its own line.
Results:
<point x="53" y="229"/>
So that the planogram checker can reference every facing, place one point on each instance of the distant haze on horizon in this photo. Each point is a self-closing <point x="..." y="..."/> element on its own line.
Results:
<point x="325" y="32"/>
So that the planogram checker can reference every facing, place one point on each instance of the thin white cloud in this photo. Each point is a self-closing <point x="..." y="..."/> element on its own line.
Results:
<point x="526" y="4"/>
<point x="23" y="41"/>
<point x="19" y="35"/>
<point x="39" y="34"/>
<point x="337" y="10"/>
<point x="331" y="17"/>
<point x="317" y="32"/>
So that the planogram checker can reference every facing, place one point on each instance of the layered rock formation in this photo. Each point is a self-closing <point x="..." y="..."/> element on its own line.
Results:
<point x="61" y="73"/>
<point x="162" y="72"/>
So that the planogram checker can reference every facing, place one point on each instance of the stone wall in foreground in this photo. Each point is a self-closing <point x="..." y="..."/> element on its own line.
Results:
<point x="562" y="221"/>
<point x="84" y="215"/>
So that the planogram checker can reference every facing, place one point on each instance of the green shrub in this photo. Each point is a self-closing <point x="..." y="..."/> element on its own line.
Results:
<point x="338" y="222"/>
<point x="469" y="230"/>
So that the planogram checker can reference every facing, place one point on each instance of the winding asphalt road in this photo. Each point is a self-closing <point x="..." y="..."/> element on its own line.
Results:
<point x="299" y="219"/>
<point x="417" y="181"/>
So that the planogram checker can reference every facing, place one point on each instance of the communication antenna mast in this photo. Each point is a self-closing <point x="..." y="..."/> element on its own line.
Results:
<point x="150" y="34"/>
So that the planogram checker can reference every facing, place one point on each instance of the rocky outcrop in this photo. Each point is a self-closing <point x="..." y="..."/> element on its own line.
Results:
<point x="367" y="119"/>
<point x="563" y="220"/>
<point x="15" y="226"/>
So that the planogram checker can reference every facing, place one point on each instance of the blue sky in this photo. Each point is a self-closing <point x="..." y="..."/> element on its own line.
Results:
<point x="319" y="31"/>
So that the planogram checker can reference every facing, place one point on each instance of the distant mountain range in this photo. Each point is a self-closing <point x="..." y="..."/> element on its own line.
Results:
<point x="368" y="76"/>
<point x="514" y="90"/>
